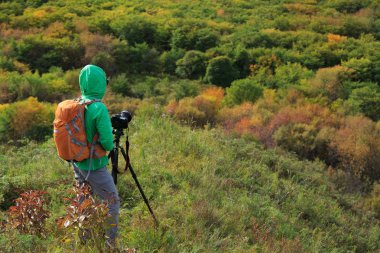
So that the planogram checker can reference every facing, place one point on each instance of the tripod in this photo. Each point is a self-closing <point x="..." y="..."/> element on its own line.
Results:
<point x="114" y="156"/>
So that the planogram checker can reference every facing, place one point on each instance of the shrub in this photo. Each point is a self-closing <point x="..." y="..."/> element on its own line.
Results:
<point x="366" y="100"/>
<point x="355" y="26"/>
<point x="329" y="82"/>
<point x="121" y="84"/>
<point x="373" y="201"/>
<point x="168" y="60"/>
<point x="26" y="119"/>
<point x="357" y="147"/>
<point x="291" y="74"/>
<point x="192" y="65"/>
<point x="230" y="117"/>
<point x="215" y="94"/>
<point x="244" y="90"/>
<point x="220" y="71"/>
<point x="186" y="112"/>
<point x="347" y="6"/>
<point x="141" y="58"/>
<point x="42" y="53"/>
<point x="192" y="37"/>
<point x="361" y="68"/>
<point x="29" y="213"/>
<point x="298" y="138"/>
<point x="84" y="216"/>
<point x="200" y="110"/>
<point x="135" y="29"/>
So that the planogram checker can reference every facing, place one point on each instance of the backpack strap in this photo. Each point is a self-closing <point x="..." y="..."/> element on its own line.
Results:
<point x="94" y="139"/>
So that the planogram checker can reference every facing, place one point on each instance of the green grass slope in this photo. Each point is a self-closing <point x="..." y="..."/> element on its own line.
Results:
<point x="210" y="192"/>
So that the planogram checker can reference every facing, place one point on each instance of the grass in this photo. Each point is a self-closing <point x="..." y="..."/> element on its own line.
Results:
<point x="211" y="193"/>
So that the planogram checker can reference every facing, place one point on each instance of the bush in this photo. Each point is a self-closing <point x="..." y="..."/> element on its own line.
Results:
<point x="190" y="37"/>
<point x="358" y="147"/>
<point x="29" y="214"/>
<point x="299" y="138"/>
<point x="186" y="112"/>
<point x="347" y="6"/>
<point x="42" y="53"/>
<point x="121" y="84"/>
<point x="51" y="86"/>
<point x="168" y="60"/>
<point x="373" y="201"/>
<point x="291" y="74"/>
<point x="244" y="90"/>
<point x="366" y="100"/>
<point x="220" y="71"/>
<point x="361" y="68"/>
<point x="200" y="110"/>
<point x="26" y="119"/>
<point x="135" y="29"/>
<point x="330" y="82"/>
<point x="140" y="59"/>
<point x="192" y="65"/>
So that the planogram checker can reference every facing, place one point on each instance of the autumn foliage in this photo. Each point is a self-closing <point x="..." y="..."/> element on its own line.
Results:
<point x="85" y="216"/>
<point x="29" y="213"/>
<point x="200" y="110"/>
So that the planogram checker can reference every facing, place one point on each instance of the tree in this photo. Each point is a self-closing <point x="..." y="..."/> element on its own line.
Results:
<point x="191" y="37"/>
<point x="135" y="30"/>
<point x="192" y="65"/>
<point x="220" y="71"/>
<point x="291" y="74"/>
<point x="367" y="100"/>
<point x="168" y="60"/>
<point x="243" y="90"/>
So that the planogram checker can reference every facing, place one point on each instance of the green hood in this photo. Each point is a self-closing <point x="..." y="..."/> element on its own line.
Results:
<point x="92" y="82"/>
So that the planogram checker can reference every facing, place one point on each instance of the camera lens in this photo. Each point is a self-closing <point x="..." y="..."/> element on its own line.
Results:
<point x="127" y="115"/>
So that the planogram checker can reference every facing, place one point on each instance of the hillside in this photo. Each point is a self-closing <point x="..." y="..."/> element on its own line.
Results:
<point x="256" y="122"/>
<point x="211" y="193"/>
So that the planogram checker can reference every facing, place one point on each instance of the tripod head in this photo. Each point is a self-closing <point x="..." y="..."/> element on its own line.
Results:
<point x="118" y="132"/>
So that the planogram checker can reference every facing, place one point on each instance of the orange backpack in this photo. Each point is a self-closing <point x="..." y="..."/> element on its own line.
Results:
<point x="70" y="135"/>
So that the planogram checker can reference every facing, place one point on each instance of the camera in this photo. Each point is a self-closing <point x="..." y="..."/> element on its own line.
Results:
<point x="121" y="120"/>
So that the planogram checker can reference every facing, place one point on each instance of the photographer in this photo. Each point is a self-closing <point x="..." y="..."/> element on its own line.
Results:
<point x="93" y="82"/>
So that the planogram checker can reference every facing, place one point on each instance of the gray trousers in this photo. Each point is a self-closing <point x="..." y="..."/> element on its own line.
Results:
<point x="103" y="186"/>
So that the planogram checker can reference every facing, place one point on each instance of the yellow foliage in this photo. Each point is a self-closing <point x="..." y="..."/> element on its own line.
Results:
<point x="3" y="107"/>
<point x="39" y="14"/>
<point x="301" y="8"/>
<point x="56" y="30"/>
<point x="214" y="94"/>
<point x="334" y="38"/>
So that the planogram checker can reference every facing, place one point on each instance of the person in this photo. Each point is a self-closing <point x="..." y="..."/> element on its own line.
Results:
<point x="93" y="82"/>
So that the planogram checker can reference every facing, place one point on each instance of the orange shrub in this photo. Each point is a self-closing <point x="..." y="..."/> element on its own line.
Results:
<point x="188" y="113"/>
<point x="334" y="38"/>
<point x="357" y="144"/>
<point x="200" y="110"/>
<point x="214" y="94"/>
<point x="306" y="114"/>
<point x="229" y="117"/>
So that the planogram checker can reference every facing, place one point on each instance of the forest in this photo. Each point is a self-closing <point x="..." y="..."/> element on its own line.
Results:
<point x="251" y="119"/>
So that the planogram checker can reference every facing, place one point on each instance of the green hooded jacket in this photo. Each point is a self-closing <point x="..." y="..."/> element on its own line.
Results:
<point x="93" y="82"/>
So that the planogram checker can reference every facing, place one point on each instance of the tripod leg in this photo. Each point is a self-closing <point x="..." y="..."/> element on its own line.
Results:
<point x="142" y="193"/>
<point x="126" y="158"/>
<point x="114" y="160"/>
